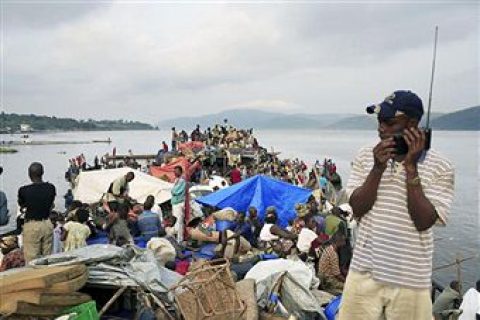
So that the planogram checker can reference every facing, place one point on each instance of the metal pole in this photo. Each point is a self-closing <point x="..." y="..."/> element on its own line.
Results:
<point x="459" y="270"/>
<point x="431" y="79"/>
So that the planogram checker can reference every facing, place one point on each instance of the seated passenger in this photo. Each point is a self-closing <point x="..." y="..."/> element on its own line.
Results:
<point x="274" y="238"/>
<point x="148" y="222"/>
<point x="329" y="266"/>
<point x="12" y="254"/>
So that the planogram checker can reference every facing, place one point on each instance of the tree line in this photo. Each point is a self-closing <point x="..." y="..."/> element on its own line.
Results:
<point x="12" y="122"/>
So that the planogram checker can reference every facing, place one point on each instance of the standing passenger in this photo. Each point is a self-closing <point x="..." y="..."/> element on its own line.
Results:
<point x="37" y="200"/>
<point x="398" y="198"/>
<point x="178" y="203"/>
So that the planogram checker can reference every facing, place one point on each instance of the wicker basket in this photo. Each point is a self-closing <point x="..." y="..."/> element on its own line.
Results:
<point x="209" y="292"/>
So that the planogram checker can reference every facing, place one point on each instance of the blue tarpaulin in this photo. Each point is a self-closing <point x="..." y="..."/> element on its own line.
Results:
<point x="260" y="192"/>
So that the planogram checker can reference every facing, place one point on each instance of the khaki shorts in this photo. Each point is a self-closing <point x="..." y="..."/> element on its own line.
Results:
<point x="367" y="299"/>
<point x="37" y="239"/>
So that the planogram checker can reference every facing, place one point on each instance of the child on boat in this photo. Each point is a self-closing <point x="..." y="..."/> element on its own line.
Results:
<point x="58" y="220"/>
<point x="76" y="232"/>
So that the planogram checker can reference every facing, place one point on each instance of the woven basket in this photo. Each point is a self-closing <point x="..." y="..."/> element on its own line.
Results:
<point x="209" y="292"/>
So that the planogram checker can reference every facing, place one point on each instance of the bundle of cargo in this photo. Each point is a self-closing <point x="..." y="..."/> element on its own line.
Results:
<point x="45" y="291"/>
<point x="209" y="292"/>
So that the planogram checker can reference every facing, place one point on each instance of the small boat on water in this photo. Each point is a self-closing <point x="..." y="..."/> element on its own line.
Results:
<point x="8" y="150"/>
<point x="102" y="141"/>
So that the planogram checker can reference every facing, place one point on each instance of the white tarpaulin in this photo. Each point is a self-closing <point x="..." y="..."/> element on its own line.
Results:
<point x="91" y="185"/>
<point x="297" y="280"/>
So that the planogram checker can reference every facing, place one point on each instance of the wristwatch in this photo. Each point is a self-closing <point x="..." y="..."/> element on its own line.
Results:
<point x="414" y="182"/>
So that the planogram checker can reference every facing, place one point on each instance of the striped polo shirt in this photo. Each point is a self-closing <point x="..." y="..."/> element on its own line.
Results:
<point x="389" y="247"/>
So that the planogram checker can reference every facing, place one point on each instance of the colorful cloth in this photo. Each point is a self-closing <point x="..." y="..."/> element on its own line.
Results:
<point x="333" y="224"/>
<point x="329" y="265"/>
<point x="13" y="259"/>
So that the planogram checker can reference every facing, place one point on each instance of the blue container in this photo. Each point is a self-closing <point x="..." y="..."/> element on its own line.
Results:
<point x="332" y="308"/>
<point x="141" y="242"/>
<point x="265" y="256"/>
<point x="100" y="238"/>
<point x="221" y="225"/>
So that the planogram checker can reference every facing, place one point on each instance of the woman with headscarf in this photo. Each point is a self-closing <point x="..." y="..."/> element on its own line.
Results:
<point x="12" y="254"/>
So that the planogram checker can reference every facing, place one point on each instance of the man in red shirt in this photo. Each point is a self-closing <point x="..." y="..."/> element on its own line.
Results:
<point x="164" y="146"/>
<point x="235" y="175"/>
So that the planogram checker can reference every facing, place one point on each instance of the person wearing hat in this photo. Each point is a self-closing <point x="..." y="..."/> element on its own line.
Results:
<point x="335" y="222"/>
<point x="301" y="210"/>
<point x="12" y="254"/>
<point x="4" y="214"/>
<point x="397" y="197"/>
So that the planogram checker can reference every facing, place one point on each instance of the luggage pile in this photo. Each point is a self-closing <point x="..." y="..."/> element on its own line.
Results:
<point x="46" y="291"/>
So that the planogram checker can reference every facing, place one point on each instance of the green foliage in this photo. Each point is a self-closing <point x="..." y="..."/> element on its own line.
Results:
<point x="41" y="123"/>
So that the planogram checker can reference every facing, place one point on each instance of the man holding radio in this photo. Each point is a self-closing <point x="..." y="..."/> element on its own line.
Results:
<point x="398" y="190"/>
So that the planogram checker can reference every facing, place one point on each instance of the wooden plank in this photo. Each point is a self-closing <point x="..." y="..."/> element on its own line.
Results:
<point x="10" y="302"/>
<point x="68" y="286"/>
<point x="38" y="278"/>
<point x="62" y="299"/>
<point x="28" y="309"/>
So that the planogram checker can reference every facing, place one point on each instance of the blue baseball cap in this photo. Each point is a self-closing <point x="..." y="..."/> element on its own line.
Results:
<point x="399" y="102"/>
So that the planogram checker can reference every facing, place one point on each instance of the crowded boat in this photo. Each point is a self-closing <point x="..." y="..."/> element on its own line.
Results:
<point x="211" y="226"/>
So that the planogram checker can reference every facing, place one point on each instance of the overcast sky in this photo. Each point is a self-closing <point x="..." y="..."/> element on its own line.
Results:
<point x="151" y="61"/>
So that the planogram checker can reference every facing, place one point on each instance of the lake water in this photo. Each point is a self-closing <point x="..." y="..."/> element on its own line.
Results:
<point x="462" y="148"/>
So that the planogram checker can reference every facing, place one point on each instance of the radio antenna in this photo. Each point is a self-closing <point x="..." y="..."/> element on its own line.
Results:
<point x="433" y="75"/>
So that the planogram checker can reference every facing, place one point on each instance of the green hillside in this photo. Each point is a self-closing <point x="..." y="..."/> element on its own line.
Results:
<point x="12" y="121"/>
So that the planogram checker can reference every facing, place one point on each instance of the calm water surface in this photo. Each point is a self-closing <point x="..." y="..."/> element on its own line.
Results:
<point x="462" y="148"/>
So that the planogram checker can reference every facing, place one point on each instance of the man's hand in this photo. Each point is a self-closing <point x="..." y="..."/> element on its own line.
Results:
<point x="415" y="139"/>
<point x="383" y="151"/>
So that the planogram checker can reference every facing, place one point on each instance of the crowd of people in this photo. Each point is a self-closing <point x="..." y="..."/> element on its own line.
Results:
<point x="394" y="197"/>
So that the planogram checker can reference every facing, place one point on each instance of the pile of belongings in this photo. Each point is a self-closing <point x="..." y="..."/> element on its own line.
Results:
<point x="286" y="288"/>
<point x="42" y="291"/>
<point x="121" y="267"/>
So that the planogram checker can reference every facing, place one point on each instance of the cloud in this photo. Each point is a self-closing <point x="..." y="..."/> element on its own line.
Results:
<point x="268" y="105"/>
<point x="152" y="60"/>
<point x="24" y="15"/>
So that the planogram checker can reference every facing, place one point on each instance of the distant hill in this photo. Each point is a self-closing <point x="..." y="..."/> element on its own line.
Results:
<point x="466" y="119"/>
<point x="249" y="118"/>
<point x="363" y="122"/>
<point x="367" y="122"/>
<point x="10" y="122"/>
